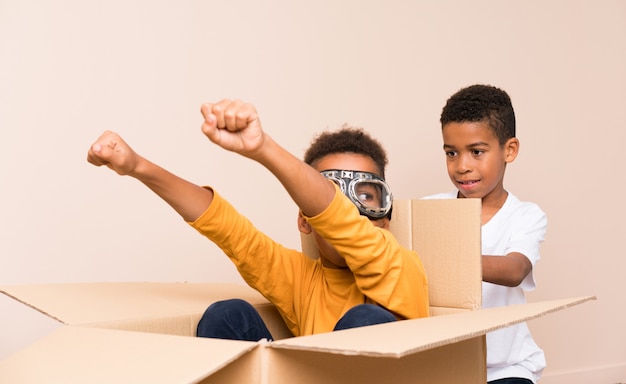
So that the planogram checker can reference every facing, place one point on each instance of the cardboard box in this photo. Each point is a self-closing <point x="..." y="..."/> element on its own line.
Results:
<point x="140" y="332"/>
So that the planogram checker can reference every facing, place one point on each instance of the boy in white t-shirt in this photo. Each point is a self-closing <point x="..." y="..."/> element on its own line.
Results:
<point x="478" y="128"/>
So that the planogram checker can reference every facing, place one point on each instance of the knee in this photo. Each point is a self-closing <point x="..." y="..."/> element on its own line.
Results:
<point x="363" y="315"/>
<point x="220" y="316"/>
<point x="227" y="307"/>
<point x="233" y="319"/>
<point x="371" y="314"/>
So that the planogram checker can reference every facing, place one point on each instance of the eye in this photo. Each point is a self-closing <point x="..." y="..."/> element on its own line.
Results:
<point x="477" y="152"/>
<point x="365" y="197"/>
<point x="369" y="195"/>
<point x="451" y="154"/>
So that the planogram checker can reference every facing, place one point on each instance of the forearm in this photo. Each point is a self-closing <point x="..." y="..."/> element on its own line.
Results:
<point x="509" y="270"/>
<point x="186" y="198"/>
<point x="311" y="191"/>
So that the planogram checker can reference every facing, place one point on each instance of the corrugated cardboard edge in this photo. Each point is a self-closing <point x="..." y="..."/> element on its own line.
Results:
<point x="129" y="324"/>
<point x="26" y="303"/>
<point x="375" y="341"/>
<point x="158" y="307"/>
<point x="421" y="341"/>
<point x="392" y="340"/>
<point x="88" y="303"/>
<point x="144" y="357"/>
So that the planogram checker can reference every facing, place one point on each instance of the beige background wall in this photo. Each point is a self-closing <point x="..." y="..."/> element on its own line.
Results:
<point x="71" y="69"/>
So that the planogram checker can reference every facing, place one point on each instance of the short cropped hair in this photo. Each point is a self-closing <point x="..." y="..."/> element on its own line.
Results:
<point x="347" y="140"/>
<point x="482" y="103"/>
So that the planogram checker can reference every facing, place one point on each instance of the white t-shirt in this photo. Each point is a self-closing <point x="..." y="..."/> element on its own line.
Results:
<point x="517" y="227"/>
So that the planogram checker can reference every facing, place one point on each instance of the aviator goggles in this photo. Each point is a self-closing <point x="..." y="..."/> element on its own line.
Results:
<point x="368" y="191"/>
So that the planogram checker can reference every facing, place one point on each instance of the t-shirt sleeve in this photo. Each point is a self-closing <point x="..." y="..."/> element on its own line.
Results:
<point x="527" y="234"/>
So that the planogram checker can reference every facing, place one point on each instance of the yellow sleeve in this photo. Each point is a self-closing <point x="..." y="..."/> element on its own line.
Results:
<point x="273" y="270"/>
<point x="385" y="272"/>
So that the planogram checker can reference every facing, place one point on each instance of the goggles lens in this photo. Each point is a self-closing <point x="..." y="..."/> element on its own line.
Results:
<point x="368" y="191"/>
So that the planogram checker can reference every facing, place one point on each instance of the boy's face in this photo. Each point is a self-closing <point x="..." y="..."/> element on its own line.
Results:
<point x="476" y="162"/>
<point x="345" y="161"/>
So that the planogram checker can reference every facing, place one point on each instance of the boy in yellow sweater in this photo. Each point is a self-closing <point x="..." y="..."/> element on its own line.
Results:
<point x="362" y="277"/>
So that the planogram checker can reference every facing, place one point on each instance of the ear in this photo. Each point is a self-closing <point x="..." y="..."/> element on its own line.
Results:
<point x="511" y="149"/>
<point x="303" y="225"/>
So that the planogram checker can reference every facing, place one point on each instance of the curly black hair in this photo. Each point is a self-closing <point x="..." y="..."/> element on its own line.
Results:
<point x="347" y="140"/>
<point x="482" y="103"/>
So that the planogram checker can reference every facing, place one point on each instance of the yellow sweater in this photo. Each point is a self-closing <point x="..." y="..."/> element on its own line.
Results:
<point x="312" y="298"/>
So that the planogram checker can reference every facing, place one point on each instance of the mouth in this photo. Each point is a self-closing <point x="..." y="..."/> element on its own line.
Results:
<point x="467" y="183"/>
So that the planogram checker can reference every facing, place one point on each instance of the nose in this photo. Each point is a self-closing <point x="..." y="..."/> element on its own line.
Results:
<point x="463" y="163"/>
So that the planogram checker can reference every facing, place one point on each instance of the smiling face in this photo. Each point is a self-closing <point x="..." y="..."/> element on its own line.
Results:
<point x="476" y="162"/>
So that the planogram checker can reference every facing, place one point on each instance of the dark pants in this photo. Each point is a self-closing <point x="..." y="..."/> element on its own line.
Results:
<point x="236" y="319"/>
<point x="511" y="380"/>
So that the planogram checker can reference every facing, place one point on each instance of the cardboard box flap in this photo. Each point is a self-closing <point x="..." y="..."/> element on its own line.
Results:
<point x="451" y="350"/>
<point x="90" y="355"/>
<point x="447" y="236"/>
<point x="97" y="303"/>
<point x="407" y="337"/>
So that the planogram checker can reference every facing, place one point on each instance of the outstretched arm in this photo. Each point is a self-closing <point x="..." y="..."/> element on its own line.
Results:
<point x="188" y="199"/>
<point x="235" y="126"/>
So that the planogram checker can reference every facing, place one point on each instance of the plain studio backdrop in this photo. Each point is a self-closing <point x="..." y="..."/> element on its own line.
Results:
<point x="71" y="69"/>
